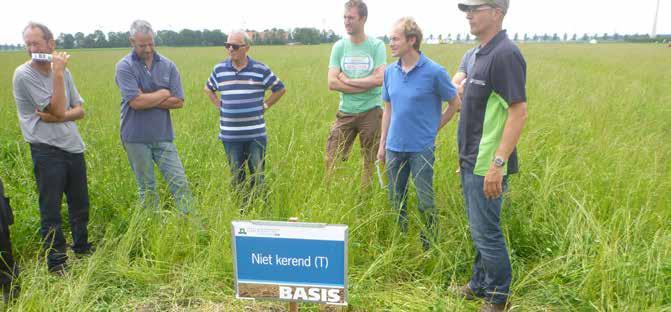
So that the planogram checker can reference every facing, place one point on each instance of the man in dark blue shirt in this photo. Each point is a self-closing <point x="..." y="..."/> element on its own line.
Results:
<point x="150" y="87"/>
<point x="492" y="117"/>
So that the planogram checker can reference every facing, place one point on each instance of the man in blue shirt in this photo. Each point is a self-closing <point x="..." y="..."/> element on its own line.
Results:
<point x="413" y="91"/>
<point x="242" y="83"/>
<point x="150" y="87"/>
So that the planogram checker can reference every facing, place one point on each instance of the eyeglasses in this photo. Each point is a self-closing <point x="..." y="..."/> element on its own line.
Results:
<point x="477" y="8"/>
<point x="234" y="46"/>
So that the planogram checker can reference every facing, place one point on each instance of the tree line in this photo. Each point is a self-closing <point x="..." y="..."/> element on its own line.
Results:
<point x="189" y="38"/>
<point x="458" y="38"/>
<point x="305" y="35"/>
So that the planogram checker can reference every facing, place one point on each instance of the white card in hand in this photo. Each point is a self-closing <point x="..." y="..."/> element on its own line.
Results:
<point x="42" y="57"/>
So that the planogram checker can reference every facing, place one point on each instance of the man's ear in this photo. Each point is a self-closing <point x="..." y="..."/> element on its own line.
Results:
<point x="412" y="40"/>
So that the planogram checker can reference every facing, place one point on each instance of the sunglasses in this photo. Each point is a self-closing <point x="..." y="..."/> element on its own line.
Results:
<point x="234" y="46"/>
<point x="477" y="8"/>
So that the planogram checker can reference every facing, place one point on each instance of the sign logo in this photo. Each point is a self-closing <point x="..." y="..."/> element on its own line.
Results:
<point x="314" y="294"/>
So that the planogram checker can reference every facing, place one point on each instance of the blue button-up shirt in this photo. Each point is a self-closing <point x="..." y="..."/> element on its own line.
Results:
<point x="416" y="100"/>
<point x="132" y="76"/>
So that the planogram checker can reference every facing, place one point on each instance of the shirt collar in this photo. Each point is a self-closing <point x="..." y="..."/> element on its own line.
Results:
<point x="492" y="43"/>
<point x="420" y="62"/>
<point x="157" y="58"/>
<point x="229" y="63"/>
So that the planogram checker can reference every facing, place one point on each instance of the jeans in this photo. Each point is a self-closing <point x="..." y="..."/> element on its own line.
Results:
<point x="491" y="270"/>
<point x="58" y="172"/>
<point x="142" y="157"/>
<point x="420" y="164"/>
<point x="252" y="153"/>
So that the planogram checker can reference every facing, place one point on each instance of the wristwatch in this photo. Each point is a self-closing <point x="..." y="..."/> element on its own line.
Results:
<point x="499" y="162"/>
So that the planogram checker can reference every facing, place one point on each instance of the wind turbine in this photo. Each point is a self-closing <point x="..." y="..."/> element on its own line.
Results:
<point x="654" y="26"/>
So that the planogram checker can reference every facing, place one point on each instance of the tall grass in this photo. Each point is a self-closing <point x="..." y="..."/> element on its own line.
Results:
<point x="588" y="219"/>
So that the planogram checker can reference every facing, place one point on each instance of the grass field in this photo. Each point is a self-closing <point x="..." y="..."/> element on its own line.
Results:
<point x="588" y="219"/>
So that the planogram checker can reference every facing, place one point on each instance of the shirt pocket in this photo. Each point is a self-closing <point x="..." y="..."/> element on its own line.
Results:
<point x="477" y="91"/>
<point x="164" y="82"/>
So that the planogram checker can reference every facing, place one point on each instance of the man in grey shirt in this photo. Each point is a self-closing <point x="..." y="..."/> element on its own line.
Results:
<point x="48" y="105"/>
<point x="150" y="87"/>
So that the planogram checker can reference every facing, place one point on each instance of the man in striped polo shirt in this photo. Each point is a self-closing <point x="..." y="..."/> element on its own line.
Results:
<point x="242" y="83"/>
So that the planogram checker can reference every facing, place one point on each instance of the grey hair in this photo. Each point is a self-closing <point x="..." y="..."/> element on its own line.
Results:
<point x="142" y="27"/>
<point x="245" y="35"/>
<point x="47" y="34"/>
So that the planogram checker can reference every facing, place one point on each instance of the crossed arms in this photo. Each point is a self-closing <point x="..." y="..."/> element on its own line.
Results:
<point x="338" y="81"/>
<point x="161" y="99"/>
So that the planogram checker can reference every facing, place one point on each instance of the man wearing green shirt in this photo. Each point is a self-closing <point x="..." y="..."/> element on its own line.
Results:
<point x="356" y="70"/>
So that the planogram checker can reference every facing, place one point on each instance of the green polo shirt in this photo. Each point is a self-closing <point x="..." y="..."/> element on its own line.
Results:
<point x="359" y="61"/>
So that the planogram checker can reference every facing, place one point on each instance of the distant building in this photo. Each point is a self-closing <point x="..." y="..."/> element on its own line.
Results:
<point x="250" y="34"/>
<point x="258" y="37"/>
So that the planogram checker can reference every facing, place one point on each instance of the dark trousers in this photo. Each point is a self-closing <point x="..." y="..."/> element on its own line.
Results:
<point x="8" y="268"/>
<point x="252" y="154"/>
<point x="58" y="172"/>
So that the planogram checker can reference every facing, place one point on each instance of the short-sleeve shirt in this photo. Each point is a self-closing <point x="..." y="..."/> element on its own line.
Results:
<point x="242" y="93"/>
<point x="496" y="81"/>
<point x="467" y="61"/>
<point x="416" y="100"/>
<point x="33" y="90"/>
<point x="132" y="76"/>
<point x="359" y="61"/>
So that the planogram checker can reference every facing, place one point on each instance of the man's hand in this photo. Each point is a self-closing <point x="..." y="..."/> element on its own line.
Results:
<point x="161" y="92"/>
<point x="493" y="185"/>
<point x="59" y="60"/>
<point x="460" y="88"/>
<point x="47" y="117"/>
<point x="343" y="77"/>
<point x="381" y="153"/>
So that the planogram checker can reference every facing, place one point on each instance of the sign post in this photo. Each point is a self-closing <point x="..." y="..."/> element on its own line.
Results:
<point x="291" y="261"/>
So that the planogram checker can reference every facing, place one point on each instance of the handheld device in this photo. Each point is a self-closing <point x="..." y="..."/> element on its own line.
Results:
<point x="42" y="57"/>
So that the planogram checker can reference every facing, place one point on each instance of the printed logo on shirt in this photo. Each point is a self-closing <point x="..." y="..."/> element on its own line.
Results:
<point x="357" y="66"/>
<point x="478" y="82"/>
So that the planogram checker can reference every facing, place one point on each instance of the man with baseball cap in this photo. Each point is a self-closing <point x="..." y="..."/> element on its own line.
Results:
<point x="492" y="117"/>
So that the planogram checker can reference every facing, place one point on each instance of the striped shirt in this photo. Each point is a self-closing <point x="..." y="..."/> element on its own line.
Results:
<point x="242" y="93"/>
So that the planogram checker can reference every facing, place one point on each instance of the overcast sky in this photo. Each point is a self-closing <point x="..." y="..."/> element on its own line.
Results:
<point x="433" y="16"/>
